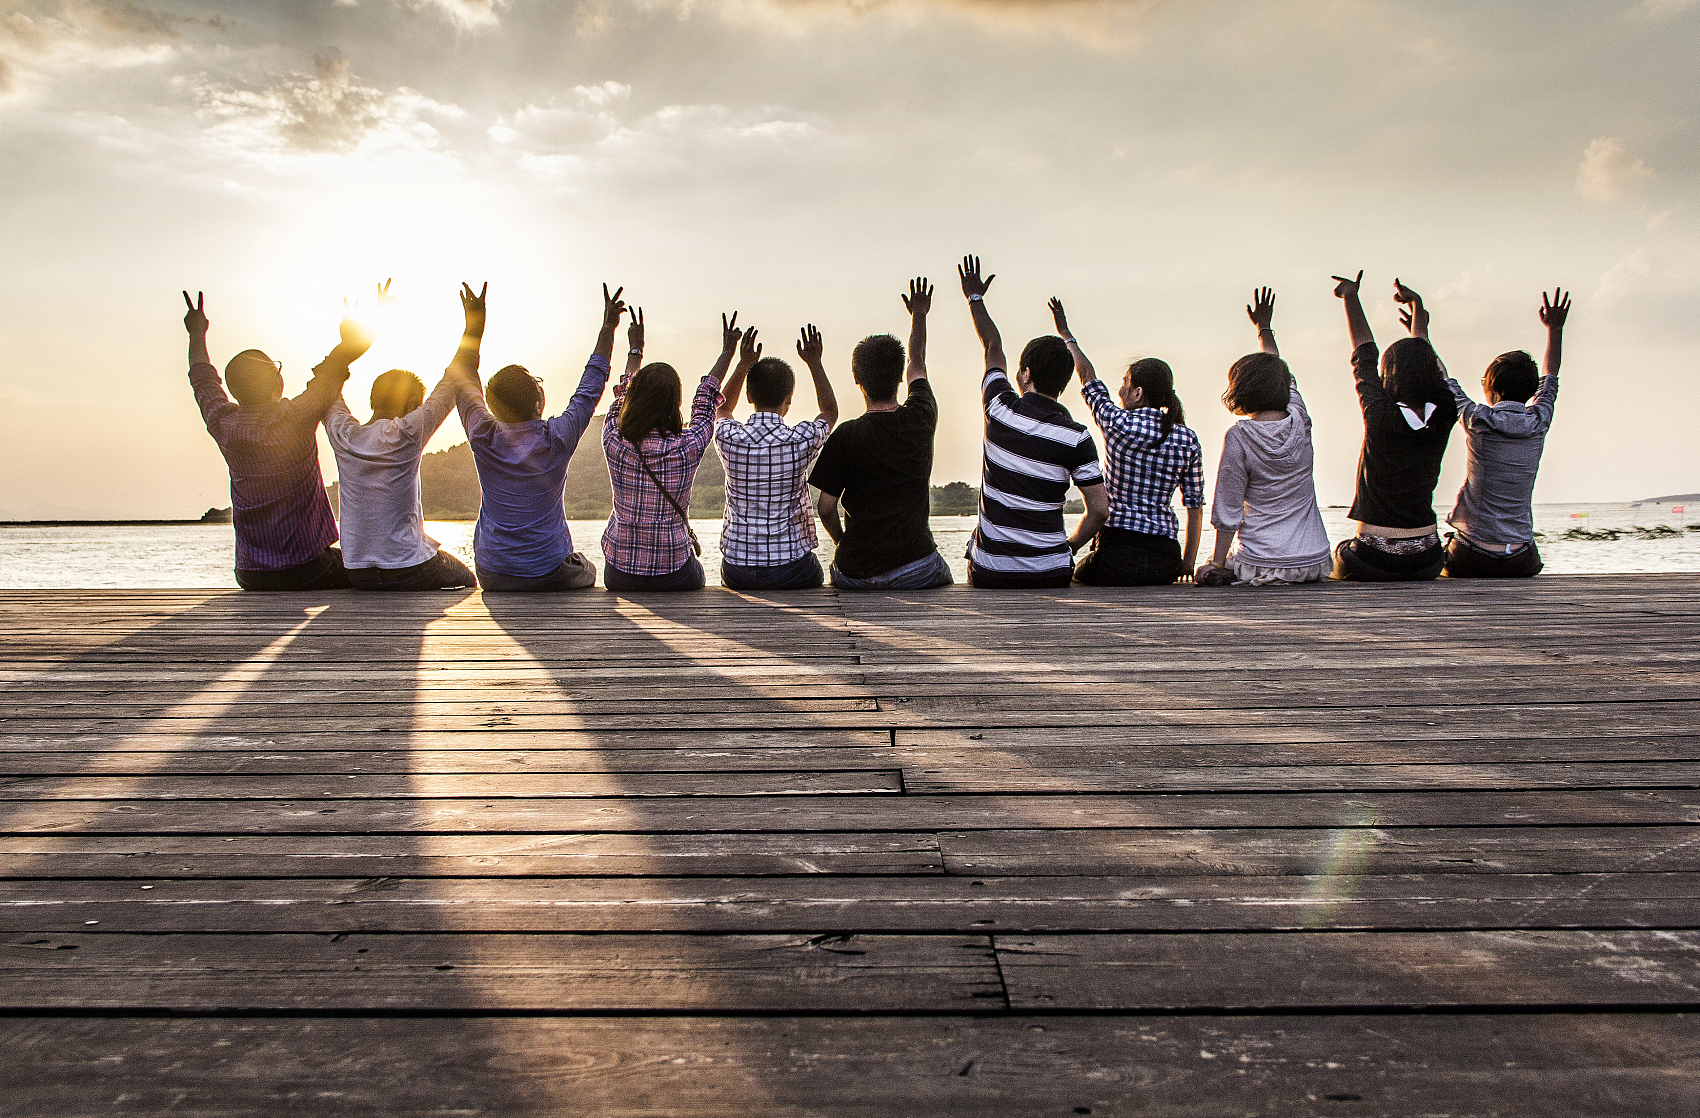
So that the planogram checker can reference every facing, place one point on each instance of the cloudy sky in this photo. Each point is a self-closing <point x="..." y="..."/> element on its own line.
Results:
<point x="797" y="160"/>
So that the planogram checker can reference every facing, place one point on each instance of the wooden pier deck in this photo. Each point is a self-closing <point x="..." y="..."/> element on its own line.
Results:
<point x="1339" y="850"/>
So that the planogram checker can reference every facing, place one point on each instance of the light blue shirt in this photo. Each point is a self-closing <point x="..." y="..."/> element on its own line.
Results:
<point x="522" y="469"/>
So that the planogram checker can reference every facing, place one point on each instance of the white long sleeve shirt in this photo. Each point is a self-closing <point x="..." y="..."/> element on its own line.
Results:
<point x="380" y="515"/>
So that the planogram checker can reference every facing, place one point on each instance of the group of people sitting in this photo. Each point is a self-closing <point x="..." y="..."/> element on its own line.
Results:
<point x="873" y="473"/>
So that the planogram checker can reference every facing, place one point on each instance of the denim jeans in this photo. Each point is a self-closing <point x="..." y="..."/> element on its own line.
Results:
<point x="574" y="573"/>
<point x="323" y="571"/>
<point x="688" y="577"/>
<point x="440" y="572"/>
<point x="800" y="574"/>
<point x="922" y="574"/>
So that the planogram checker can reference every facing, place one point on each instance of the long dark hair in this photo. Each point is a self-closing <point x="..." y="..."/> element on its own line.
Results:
<point x="1411" y="371"/>
<point x="651" y="404"/>
<point x="1158" y="381"/>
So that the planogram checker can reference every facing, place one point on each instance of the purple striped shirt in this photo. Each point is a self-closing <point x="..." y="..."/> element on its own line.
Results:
<point x="277" y="495"/>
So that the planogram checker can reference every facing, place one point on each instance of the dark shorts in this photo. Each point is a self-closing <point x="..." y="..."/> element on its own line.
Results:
<point x="1355" y="561"/>
<point x="1465" y="560"/>
<point x="574" y="573"/>
<point x="688" y="577"/>
<point x="322" y="572"/>
<point x="440" y="572"/>
<point x="1121" y="557"/>
<point x="998" y="580"/>
<point x="803" y="573"/>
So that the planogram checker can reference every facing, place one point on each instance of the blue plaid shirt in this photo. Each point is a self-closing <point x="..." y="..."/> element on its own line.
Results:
<point x="1145" y="469"/>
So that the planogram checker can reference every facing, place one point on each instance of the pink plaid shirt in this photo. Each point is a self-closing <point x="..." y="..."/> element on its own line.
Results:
<point x="644" y="535"/>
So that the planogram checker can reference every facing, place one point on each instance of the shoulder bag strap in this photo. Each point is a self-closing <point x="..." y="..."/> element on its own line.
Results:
<point x="696" y="546"/>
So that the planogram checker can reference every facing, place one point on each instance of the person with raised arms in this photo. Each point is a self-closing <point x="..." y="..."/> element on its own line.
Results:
<point x="379" y="510"/>
<point x="1033" y="450"/>
<point x="1269" y="529"/>
<point x="876" y="470"/>
<point x="1494" y="519"/>
<point x="768" y="538"/>
<point x="521" y="542"/>
<point x="1408" y="418"/>
<point x="653" y="456"/>
<point x="283" y="520"/>
<point x="1149" y="452"/>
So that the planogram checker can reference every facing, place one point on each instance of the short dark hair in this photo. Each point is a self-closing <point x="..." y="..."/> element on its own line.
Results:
<point x="1513" y="376"/>
<point x="1050" y="364"/>
<point x="1411" y="371"/>
<point x="252" y="378"/>
<point x="397" y="391"/>
<point x="877" y="365"/>
<point x="651" y="403"/>
<point x="1258" y="382"/>
<point x="513" y="394"/>
<point x="770" y="382"/>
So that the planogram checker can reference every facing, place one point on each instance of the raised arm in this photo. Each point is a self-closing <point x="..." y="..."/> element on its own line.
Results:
<point x="634" y="344"/>
<point x="974" y="289"/>
<point x="472" y="307"/>
<point x="1082" y="367"/>
<point x="1554" y="311"/>
<point x="1261" y="311"/>
<point x="918" y="302"/>
<point x="196" y="323"/>
<point x="1413" y="316"/>
<point x="331" y="374"/>
<point x="1347" y="290"/>
<point x="748" y="354"/>
<point x="612" y="308"/>
<point x="809" y="349"/>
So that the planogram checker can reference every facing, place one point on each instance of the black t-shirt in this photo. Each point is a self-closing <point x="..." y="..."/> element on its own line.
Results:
<point x="880" y="467"/>
<point x="1398" y="466"/>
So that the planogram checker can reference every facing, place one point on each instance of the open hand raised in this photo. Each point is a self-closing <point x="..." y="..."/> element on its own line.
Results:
<point x="972" y="284"/>
<point x="1348" y="288"/>
<point x="196" y="320"/>
<point x="1261" y="311"/>
<point x="472" y="306"/>
<point x="809" y="345"/>
<point x="1556" y="309"/>
<point x="920" y="297"/>
<point x="1060" y="317"/>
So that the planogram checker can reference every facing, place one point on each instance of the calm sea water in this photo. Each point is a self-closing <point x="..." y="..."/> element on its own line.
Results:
<point x="199" y="556"/>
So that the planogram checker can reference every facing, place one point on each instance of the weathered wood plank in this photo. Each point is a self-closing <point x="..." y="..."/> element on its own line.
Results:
<point x="370" y="856"/>
<point x="385" y="786"/>
<point x="1442" y="1065"/>
<point x="892" y="974"/>
<point x="1340" y="970"/>
<point x="855" y="813"/>
<point x="933" y="904"/>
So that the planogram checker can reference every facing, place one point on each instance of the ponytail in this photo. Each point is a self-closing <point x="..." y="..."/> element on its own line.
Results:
<point x="1158" y="381"/>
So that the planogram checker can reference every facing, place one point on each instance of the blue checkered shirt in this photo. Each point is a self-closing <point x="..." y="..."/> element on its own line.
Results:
<point x="1145" y="468"/>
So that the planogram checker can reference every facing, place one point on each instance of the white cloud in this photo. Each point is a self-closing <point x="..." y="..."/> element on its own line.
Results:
<point x="42" y="38"/>
<point x="463" y="13"/>
<point x="1663" y="9"/>
<point x="1608" y="171"/>
<point x="328" y="111"/>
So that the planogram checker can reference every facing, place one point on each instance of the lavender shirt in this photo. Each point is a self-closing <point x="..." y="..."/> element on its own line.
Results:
<point x="522" y="469"/>
<point x="277" y="496"/>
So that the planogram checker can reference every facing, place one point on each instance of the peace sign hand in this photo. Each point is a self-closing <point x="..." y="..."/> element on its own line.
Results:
<point x="196" y="320"/>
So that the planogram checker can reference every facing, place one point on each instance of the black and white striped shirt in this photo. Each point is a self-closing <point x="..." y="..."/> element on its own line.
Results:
<point x="1034" y="449"/>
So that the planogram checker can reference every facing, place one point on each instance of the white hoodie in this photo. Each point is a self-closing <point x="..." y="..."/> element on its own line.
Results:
<point x="1266" y="490"/>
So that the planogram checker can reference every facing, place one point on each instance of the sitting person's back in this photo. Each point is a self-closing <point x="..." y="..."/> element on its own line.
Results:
<point x="1269" y="529"/>
<point x="878" y="467"/>
<point x="521" y="541"/>
<point x="767" y="540"/>
<point x="1494" y="517"/>
<point x="282" y="519"/>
